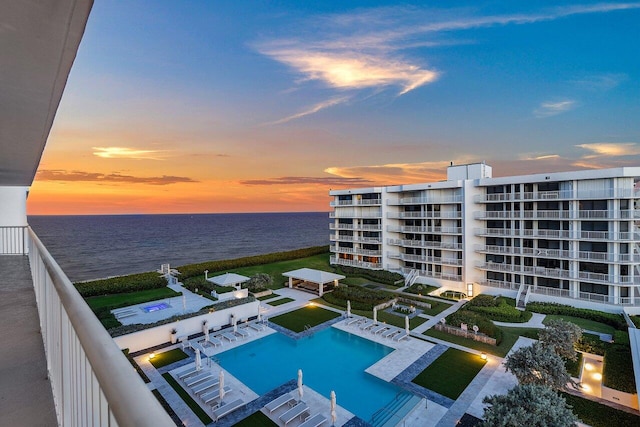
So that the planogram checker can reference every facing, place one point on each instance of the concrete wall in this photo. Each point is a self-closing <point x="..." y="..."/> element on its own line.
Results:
<point x="141" y="340"/>
<point x="13" y="206"/>
<point x="626" y="399"/>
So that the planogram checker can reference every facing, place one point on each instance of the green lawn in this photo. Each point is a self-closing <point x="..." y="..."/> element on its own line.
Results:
<point x="583" y="323"/>
<point x="167" y="358"/>
<point x="121" y="300"/>
<point x="310" y="315"/>
<point x="188" y="399"/>
<point x="319" y="262"/>
<point x="280" y="301"/>
<point x="266" y="297"/>
<point x="598" y="415"/>
<point x="437" y="307"/>
<point x="450" y="373"/>
<point x="509" y="338"/>
<point x="257" y="419"/>
<point x="390" y="319"/>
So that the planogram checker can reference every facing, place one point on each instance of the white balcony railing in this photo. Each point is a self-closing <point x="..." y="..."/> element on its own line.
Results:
<point x="93" y="383"/>
<point x="579" y="214"/>
<point x="555" y="234"/>
<point x="424" y="230"/>
<point x="355" y="263"/>
<point x="425" y="244"/>
<point x="618" y="193"/>
<point x="434" y="274"/>
<point x="560" y="254"/>
<point x="425" y="215"/>
<point x="13" y="240"/>
<point x="427" y="259"/>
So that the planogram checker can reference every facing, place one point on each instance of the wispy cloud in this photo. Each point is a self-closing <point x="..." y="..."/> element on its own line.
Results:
<point x="394" y="173"/>
<point x="314" y="109"/>
<point x="112" y="178"/>
<point x="553" y="108"/>
<point x="539" y="156"/>
<point x="601" y="82"/>
<point x="127" y="153"/>
<point x="292" y="180"/>
<point x="614" y="149"/>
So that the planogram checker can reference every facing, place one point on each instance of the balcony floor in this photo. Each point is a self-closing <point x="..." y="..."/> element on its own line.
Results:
<point x="25" y="391"/>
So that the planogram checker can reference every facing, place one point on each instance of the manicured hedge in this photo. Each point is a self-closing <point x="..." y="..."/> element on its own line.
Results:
<point x="498" y="308"/>
<point x="615" y="320"/>
<point x="617" y="372"/>
<point x="471" y="318"/>
<point x="380" y="276"/>
<point x="225" y="265"/>
<point x="137" y="367"/>
<point x="418" y="288"/>
<point x="121" y="284"/>
<point x="591" y="344"/>
<point x="361" y="298"/>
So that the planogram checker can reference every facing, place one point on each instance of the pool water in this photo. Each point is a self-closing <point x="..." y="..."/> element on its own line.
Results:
<point x="155" y="307"/>
<point x="330" y="360"/>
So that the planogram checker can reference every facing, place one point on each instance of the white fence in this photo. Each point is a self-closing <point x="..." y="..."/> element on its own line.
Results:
<point x="93" y="383"/>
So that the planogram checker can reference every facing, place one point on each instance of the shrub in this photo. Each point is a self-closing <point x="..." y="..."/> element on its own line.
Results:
<point x="621" y="337"/>
<point x="380" y="276"/>
<point x="121" y="284"/>
<point x="259" y="282"/>
<point x="418" y="288"/>
<point x="361" y="298"/>
<point x="591" y="344"/>
<point x="498" y="308"/>
<point x="617" y="372"/>
<point x="192" y="270"/>
<point x="138" y="369"/>
<point x="615" y="320"/>
<point x="471" y="318"/>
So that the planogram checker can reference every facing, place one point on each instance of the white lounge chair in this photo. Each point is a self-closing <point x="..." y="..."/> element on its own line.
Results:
<point x="229" y="337"/>
<point x="366" y="325"/>
<point x="285" y="399"/>
<point x="242" y="332"/>
<point x="378" y="328"/>
<point x="353" y="320"/>
<point x="390" y="333"/>
<point x="402" y="335"/>
<point x="297" y="411"/>
<point x="256" y="327"/>
<point x="198" y="379"/>
<point x="226" y="409"/>
<point x="204" y="386"/>
<point x="314" y="421"/>
<point x="188" y="373"/>
<point x="214" y="341"/>
<point x="213" y="395"/>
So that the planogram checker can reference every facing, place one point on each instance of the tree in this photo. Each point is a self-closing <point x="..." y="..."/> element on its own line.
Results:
<point x="538" y="364"/>
<point x="562" y="337"/>
<point x="259" y="282"/>
<point x="528" y="405"/>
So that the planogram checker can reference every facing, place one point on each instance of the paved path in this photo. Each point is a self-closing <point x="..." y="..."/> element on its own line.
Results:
<point x="534" y="322"/>
<point x="435" y="319"/>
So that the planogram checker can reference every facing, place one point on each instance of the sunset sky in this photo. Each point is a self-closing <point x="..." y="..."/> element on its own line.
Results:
<point x="262" y="106"/>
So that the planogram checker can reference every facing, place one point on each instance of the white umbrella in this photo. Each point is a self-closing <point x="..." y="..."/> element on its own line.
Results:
<point x="198" y="360"/>
<point x="406" y="324"/>
<point x="334" y="416"/>
<point x="221" y="380"/>
<point x="348" y="308"/>
<point x="184" y="303"/>
<point x="375" y="315"/>
<point x="235" y="325"/>
<point x="206" y="334"/>
<point x="300" y="390"/>
<point x="259" y="314"/>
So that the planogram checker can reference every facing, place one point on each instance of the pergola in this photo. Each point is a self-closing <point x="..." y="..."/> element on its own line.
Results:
<point x="228" y="279"/>
<point x="312" y="280"/>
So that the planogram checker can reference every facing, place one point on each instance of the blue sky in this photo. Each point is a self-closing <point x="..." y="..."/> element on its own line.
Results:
<point x="284" y="100"/>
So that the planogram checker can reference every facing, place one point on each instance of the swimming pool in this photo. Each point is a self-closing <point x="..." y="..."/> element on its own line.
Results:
<point x="330" y="360"/>
<point x="155" y="307"/>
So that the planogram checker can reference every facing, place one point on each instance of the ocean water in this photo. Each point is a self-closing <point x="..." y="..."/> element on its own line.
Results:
<point x="96" y="246"/>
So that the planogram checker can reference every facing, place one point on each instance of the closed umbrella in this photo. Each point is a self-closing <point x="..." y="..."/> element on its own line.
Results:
<point x="334" y="416"/>
<point x="406" y="324"/>
<point x="184" y="303"/>
<point x="375" y="315"/>
<point x="348" y="308"/>
<point x="259" y="314"/>
<point x="206" y="334"/>
<point x="221" y="380"/>
<point x="235" y="325"/>
<point x="300" y="390"/>
<point x="198" y="360"/>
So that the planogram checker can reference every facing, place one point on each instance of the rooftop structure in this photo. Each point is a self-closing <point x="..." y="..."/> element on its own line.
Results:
<point x="567" y="237"/>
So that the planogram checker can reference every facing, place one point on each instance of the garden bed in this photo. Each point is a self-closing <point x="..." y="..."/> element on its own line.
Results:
<point x="167" y="358"/>
<point x="450" y="373"/>
<point x="499" y="308"/>
<point x="307" y="316"/>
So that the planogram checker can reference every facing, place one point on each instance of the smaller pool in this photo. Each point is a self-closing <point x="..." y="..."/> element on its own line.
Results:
<point x="155" y="307"/>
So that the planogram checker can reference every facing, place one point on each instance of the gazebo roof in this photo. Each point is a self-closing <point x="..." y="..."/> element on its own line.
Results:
<point x="228" y="279"/>
<point x="313" y="276"/>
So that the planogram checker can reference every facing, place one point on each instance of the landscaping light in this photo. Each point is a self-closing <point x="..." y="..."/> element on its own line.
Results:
<point x="152" y="355"/>
<point x="597" y="376"/>
<point x="311" y="304"/>
<point x="483" y="356"/>
<point x="586" y="387"/>
<point x="588" y="366"/>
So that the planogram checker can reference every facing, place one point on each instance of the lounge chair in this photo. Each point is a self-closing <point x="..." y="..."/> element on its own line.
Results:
<point x="227" y="408"/>
<point x="256" y="327"/>
<point x="390" y="333"/>
<point x="295" y="412"/>
<point x="314" y="421"/>
<point x="402" y="335"/>
<point x="242" y="332"/>
<point x="366" y="325"/>
<point x="353" y="320"/>
<point x="214" y="395"/>
<point x="188" y="373"/>
<point x="378" y="328"/>
<point x="285" y="399"/>
<point x="229" y="336"/>
<point x="204" y="386"/>
<point x="214" y="341"/>
<point x="198" y="379"/>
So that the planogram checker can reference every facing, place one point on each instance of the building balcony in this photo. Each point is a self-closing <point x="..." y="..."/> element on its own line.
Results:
<point x="352" y="214"/>
<point x="556" y="273"/>
<point x="357" y="239"/>
<point x="607" y="257"/>
<point x="618" y="193"/>
<point x="356" y="251"/>
<point x="425" y="244"/>
<point x="425" y="215"/>
<point x="424" y="230"/>
<point x="354" y="263"/>
<point x="555" y="234"/>
<point x="434" y="200"/>
<point x="363" y="227"/>
<point x="427" y="259"/>
<point x="434" y="274"/>
<point x="567" y="215"/>
<point x="356" y="202"/>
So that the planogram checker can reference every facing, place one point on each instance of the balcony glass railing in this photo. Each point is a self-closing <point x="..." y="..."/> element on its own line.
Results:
<point x="555" y="234"/>
<point x="92" y="380"/>
<point x="560" y="254"/>
<point x="425" y="244"/>
<point x="579" y="214"/>
<point x="354" y="263"/>
<point x="618" y="193"/>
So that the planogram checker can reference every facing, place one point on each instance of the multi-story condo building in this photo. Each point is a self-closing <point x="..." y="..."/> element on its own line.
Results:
<point x="567" y="237"/>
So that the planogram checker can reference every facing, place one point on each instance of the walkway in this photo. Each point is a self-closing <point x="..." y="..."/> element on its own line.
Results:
<point x="25" y="391"/>
<point x="435" y="319"/>
<point x="534" y="322"/>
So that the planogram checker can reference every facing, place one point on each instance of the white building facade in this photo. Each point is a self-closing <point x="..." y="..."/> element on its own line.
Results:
<point x="567" y="237"/>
